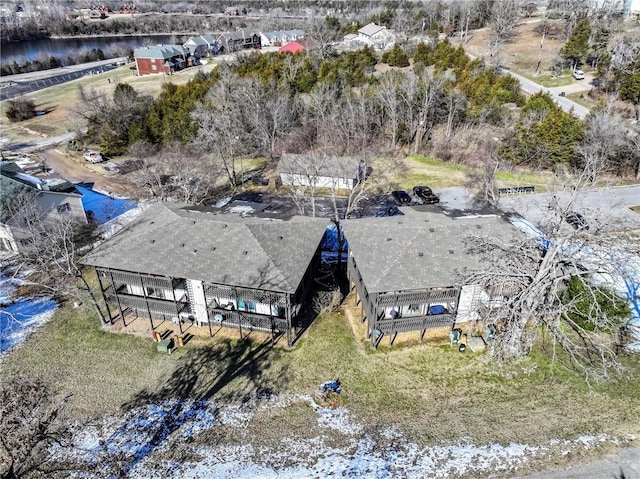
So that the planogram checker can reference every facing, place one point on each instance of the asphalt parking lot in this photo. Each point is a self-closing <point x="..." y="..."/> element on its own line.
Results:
<point x="607" y="209"/>
<point x="18" y="88"/>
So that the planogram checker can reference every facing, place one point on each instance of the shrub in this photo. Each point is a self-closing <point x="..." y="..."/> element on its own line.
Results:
<point x="21" y="109"/>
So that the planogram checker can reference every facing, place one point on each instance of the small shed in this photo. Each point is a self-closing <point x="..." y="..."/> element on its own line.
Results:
<point x="319" y="170"/>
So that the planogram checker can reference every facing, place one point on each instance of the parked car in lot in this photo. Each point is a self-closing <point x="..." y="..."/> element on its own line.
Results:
<point x="578" y="74"/>
<point x="401" y="197"/>
<point x="427" y="196"/>
<point x="93" y="156"/>
<point x="577" y="220"/>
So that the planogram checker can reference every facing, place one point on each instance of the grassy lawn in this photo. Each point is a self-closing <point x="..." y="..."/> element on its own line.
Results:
<point x="63" y="99"/>
<point x="428" y="391"/>
<point x="582" y="99"/>
<point x="548" y="80"/>
<point x="422" y="170"/>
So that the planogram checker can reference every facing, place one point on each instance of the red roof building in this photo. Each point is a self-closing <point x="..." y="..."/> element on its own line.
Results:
<point x="293" y="47"/>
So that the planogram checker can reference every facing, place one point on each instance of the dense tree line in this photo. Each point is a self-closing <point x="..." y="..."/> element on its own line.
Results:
<point x="546" y="136"/>
<point x="91" y="55"/>
<point x="268" y="103"/>
<point x="128" y="117"/>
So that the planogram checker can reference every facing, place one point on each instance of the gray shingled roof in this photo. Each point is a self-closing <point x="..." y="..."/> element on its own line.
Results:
<point x="387" y="250"/>
<point x="370" y="29"/>
<point x="170" y="240"/>
<point x="160" y="51"/>
<point x="327" y="166"/>
<point x="210" y="39"/>
<point x="238" y="34"/>
<point x="196" y="41"/>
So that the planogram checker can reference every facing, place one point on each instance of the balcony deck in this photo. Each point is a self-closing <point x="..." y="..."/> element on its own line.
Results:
<point x="247" y="320"/>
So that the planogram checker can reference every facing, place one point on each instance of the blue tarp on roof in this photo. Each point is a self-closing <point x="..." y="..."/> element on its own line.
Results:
<point x="330" y="247"/>
<point x="103" y="208"/>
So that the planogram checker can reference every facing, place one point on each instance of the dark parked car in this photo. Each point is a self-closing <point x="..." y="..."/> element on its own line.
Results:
<point x="401" y="197"/>
<point x="577" y="221"/>
<point x="426" y="195"/>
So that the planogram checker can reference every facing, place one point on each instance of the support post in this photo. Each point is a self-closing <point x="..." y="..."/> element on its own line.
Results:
<point x="144" y="293"/>
<point x="288" y="315"/>
<point x="175" y="303"/>
<point x="115" y="292"/>
<point x="104" y="297"/>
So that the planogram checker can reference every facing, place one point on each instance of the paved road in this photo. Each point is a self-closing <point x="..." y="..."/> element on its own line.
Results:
<point x="531" y="87"/>
<point x="24" y="83"/>
<point x="625" y="464"/>
<point x="58" y="71"/>
<point x="607" y="208"/>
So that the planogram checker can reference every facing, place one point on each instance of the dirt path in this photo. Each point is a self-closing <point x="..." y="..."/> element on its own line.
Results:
<point x="76" y="170"/>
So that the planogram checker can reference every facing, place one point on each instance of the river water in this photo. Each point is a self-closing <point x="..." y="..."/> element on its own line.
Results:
<point x="60" y="48"/>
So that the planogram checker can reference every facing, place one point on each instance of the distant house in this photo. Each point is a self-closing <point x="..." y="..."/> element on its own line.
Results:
<point x="52" y="196"/>
<point x="405" y="269"/>
<point x="230" y="42"/>
<point x="321" y="171"/>
<point x="293" y="47"/>
<point x="280" y="37"/>
<point x="372" y="35"/>
<point x="160" y="59"/>
<point x="202" y="46"/>
<point x="197" y="46"/>
<point x="217" y="270"/>
<point x="212" y="43"/>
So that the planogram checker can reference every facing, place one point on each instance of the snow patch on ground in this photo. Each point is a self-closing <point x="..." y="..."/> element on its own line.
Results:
<point x="19" y="317"/>
<point x="142" y="436"/>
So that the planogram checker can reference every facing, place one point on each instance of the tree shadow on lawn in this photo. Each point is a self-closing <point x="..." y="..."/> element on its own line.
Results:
<point x="226" y="372"/>
<point x="205" y="372"/>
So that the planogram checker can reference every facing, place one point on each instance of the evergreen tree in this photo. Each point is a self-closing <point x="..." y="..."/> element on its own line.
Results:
<point x="578" y="45"/>
<point x="546" y="135"/>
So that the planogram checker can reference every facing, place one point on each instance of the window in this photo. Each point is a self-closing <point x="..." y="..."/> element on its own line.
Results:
<point x="154" y="67"/>
<point x="63" y="208"/>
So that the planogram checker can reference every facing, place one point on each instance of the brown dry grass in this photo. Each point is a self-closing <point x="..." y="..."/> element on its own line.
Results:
<point x="428" y="391"/>
<point x="63" y="99"/>
<point x="523" y="50"/>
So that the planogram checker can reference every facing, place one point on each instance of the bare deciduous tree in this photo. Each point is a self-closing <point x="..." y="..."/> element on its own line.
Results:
<point x="319" y="106"/>
<point x="484" y="181"/>
<point x="504" y="16"/>
<point x="269" y="113"/>
<point x="221" y="132"/>
<point x="304" y="171"/>
<point x="29" y="427"/>
<point x="605" y="145"/>
<point x="52" y="244"/>
<point x="391" y="102"/>
<point x="547" y="285"/>
<point x="430" y="91"/>
<point x="178" y="172"/>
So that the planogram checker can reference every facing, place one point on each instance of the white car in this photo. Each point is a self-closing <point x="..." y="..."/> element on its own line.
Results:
<point x="578" y="74"/>
<point x="93" y="156"/>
